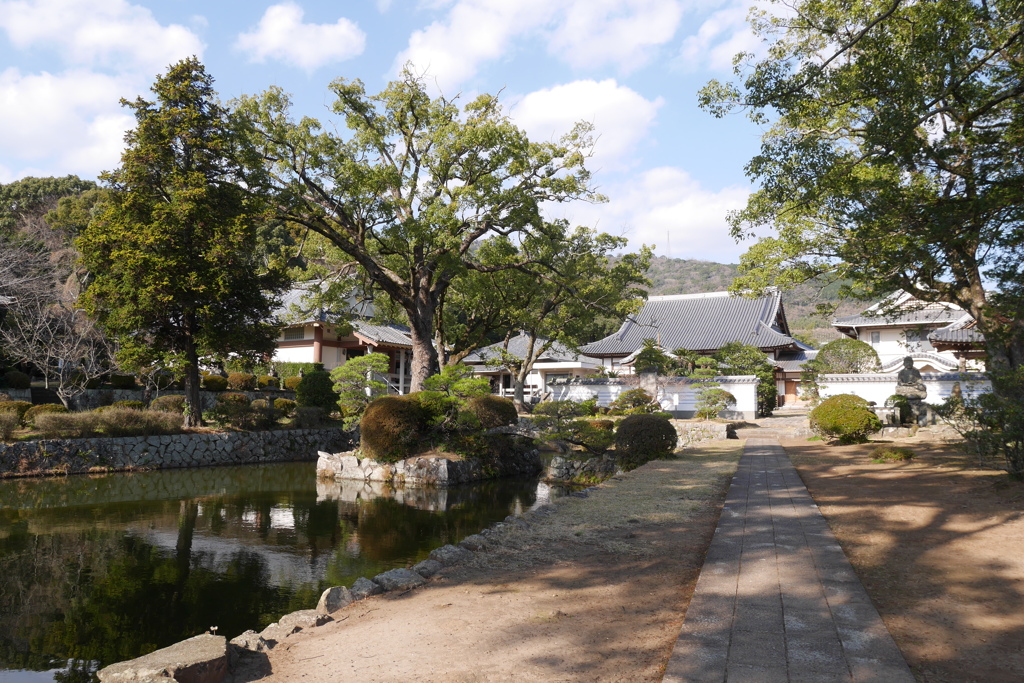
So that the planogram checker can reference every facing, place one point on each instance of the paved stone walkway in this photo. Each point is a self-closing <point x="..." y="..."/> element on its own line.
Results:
<point x="777" y="600"/>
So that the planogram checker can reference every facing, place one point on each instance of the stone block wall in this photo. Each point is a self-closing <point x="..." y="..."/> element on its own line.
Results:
<point x="18" y="394"/>
<point x="75" y="456"/>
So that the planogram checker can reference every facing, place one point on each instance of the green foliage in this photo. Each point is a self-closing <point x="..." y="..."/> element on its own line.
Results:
<point x="17" y="407"/>
<point x="292" y="383"/>
<point x="558" y="421"/>
<point x="444" y="398"/>
<point x="450" y="177"/>
<point x="890" y="453"/>
<point x="844" y="417"/>
<point x="308" y="417"/>
<point x="287" y="370"/>
<point x="242" y="381"/>
<point x="391" y="428"/>
<point x="316" y="390"/>
<point x="112" y="422"/>
<point x="268" y="382"/>
<point x="651" y="359"/>
<point x="169" y="403"/>
<point x="122" y="382"/>
<point x="233" y="398"/>
<point x="992" y="424"/>
<point x="711" y="400"/>
<point x="356" y="383"/>
<point x="30" y="415"/>
<point x="846" y="356"/>
<point x="30" y="197"/>
<point x="171" y="253"/>
<point x="737" y="358"/>
<point x="17" y="380"/>
<point x="903" y="415"/>
<point x="492" y="411"/>
<point x="634" y="402"/>
<point x="284" y="406"/>
<point x="215" y="383"/>
<point x="891" y="157"/>
<point x="641" y="438"/>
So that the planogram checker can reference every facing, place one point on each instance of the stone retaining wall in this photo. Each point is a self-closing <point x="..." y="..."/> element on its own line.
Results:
<point x="589" y="471"/>
<point x="76" y="456"/>
<point x="18" y="394"/>
<point x="696" y="432"/>
<point x="425" y="470"/>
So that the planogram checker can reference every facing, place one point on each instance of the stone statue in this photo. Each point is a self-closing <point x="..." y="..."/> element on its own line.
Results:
<point x="909" y="382"/>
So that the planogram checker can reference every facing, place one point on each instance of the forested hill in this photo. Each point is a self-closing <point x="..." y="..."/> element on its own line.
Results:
<point x="688" y="276"/>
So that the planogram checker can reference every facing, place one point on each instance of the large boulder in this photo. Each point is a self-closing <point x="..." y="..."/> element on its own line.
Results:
<point x="202" y="659"/>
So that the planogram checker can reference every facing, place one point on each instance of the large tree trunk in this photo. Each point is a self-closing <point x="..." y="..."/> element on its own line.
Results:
<point x="193" y="400"/>
<point x="424" y="355"/>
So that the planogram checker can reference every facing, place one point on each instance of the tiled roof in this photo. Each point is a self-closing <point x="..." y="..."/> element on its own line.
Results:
<point x="947" y="335"/>
<point x="700" y="322"/>
<point x="392" y="335"/>
<point x="293" y="310"/>
<point x="944" y="362"/>
<point x="793" y="361"/>
<point x="517" y="346"/>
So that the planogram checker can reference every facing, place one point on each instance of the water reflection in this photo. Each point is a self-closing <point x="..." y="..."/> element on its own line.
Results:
<point x="102" y="569"/>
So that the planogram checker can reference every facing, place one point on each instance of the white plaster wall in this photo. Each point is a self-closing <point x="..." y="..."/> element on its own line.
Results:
<point x="674" y="395"/>
<point x="878" y="387"/>
<point x="298" y="354"/>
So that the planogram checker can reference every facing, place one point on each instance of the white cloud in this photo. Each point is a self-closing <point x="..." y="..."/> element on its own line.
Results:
<point x="667" y="207"/>
<point x="73" y="119"/>
<point x="584" y="33"/>
<point x="621" y="116"/>
<point x="618" y="32"/>
<point x="720" y="38"/>
<point x="98" y="33"/>
<point x="282" y="36"/>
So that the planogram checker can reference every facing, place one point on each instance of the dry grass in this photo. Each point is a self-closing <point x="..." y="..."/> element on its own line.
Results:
<point x="660" y="493"/>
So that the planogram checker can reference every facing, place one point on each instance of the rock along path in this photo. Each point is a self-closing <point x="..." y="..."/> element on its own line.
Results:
<point x="777" y="600"/>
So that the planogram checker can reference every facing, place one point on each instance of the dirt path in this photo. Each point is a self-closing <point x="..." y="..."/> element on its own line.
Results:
<point x="594" y="591"/>
<point x="939" y="545"/>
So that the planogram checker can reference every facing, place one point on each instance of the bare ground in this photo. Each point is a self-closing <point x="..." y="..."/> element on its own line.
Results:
<point x="939" y="544"/>
<point x="594" y="591"/>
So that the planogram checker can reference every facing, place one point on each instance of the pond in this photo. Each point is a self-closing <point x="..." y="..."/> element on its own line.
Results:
<point x="100" y="569"/>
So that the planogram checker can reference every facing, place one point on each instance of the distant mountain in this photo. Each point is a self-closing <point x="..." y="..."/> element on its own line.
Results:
<point x="689" y="276"/>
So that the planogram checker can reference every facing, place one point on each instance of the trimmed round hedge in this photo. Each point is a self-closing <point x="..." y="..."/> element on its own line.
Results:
<point x="242" y="381"/>
<point x="317" y="390"/>
<point x="845" y="417"/>
<point x="493" y="411"/>
<point x="171" y="403"/>
<point x="390" y="428"/>
<point x="19" y="407"/>
<point x="285" y="406"/>
<point x="42" y="409"/>
<point x="641" y="438"/>
<point x="215" y="383"/>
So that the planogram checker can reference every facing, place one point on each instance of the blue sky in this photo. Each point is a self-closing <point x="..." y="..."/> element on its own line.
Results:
<point x="631" y="67"/>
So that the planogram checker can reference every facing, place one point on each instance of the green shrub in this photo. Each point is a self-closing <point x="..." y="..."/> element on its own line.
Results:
<point x="17" y="380"/>
<point x="171" y="403"/>
<point x="19" y="407"/>
<point x="233" y="397"/>
<point x="308" y="417"/>
<point x="316" y="390"/>
<point x="242" y="381"/>
<point x="285" y="406"/>
<point x="904" y="414"/>
<point x="891" y="454"/>
<point x="493" y="411"/>
<point x="260" y="404"/>
<point x="8" y="423"/>
<point x="711" y="400"/>
<point x="844" y="417"/>
<point x="267" y="382"/>
<point x="641" y="438"/>
<point x="634" y="402"/>
<point x="215" y="383"/>
<point x="288" y="370"/>
<point x="663" y="414"/>
<point x="391" y="428"/>
<point x="130" y="405"/>
<point x="589" y="407"/>
<point x="30" y="414"/>
<point x="68" y="425"/>
<point x="122" y="381"/>
<point x="292" y="383"/>
<point x="603" y="425"/>
<point x="356" y="383"/>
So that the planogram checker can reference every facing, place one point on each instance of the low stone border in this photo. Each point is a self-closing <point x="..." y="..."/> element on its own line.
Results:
<point x="79" y="456"/>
